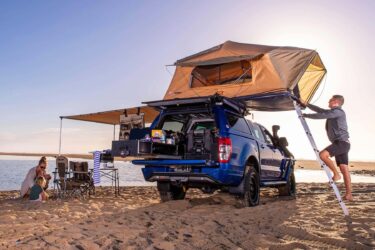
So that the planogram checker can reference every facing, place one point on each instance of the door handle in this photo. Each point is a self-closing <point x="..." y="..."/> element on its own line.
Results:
<point x="262" y="146"/>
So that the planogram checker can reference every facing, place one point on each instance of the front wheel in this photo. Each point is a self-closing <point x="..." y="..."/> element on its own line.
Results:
<point x="290" y="188"/>
<point x="251" y="193"/>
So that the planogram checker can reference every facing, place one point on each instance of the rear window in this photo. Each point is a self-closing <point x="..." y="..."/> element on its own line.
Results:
<point x="175" y="126"/>
<point x="200" y="125"/>
<point x="238" y="123"/>
<point x="219" y="74"/>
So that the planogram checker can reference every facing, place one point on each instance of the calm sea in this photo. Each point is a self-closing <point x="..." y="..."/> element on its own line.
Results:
<point x="13" y="170"/>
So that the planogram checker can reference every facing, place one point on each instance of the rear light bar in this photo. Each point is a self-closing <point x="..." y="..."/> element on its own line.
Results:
<point x="225" y="149"/>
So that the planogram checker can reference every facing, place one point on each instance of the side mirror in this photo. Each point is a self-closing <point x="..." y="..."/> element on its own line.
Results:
<point x="283" y="142"/>
<point x="275" y="129"/>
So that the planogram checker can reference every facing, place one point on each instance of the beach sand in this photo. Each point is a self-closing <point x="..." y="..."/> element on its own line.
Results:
<point x="137" y="220"/>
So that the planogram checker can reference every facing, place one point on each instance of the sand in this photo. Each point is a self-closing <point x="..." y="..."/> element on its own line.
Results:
<point x="137" y="220"/>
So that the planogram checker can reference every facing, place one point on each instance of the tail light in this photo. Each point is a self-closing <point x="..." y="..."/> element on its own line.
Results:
<point x="225" y="149"/>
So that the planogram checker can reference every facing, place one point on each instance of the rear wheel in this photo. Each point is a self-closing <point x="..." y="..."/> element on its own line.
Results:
<point x="169" y="192"/>
<point x="251" y="193"/>
<point x="290" y="188"/>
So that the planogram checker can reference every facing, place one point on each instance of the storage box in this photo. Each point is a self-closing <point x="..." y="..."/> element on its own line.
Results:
<point x="140" y="148"/>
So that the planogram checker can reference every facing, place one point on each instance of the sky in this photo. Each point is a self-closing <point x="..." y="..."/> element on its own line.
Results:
<point x="73" y="57"/>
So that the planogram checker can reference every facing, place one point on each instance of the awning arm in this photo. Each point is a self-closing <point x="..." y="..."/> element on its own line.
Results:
<point x="114" y="132"/>
<point x="61" y="120"/>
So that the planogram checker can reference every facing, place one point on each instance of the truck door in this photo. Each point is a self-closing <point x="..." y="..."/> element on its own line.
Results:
<point x="275" y="164"/>
<point x="265" y="153"/>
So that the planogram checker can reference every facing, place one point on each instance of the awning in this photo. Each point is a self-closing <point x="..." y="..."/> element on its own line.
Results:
<point x="113" y="116"/>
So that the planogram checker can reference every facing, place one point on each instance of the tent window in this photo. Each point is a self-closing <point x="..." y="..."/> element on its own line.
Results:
<point x="219" y="74"/>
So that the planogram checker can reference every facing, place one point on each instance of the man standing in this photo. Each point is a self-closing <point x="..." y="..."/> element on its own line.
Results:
<point x="337" y="131"/>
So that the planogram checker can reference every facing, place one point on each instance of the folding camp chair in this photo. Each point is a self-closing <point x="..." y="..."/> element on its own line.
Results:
<point x="61" y="175"/>
<point x="73" y="181"/>
<point x="81" y="182"/>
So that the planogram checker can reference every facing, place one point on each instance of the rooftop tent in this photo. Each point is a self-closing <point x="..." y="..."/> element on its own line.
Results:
<point x="113" y="116"/>
<point x="263" y="76"/>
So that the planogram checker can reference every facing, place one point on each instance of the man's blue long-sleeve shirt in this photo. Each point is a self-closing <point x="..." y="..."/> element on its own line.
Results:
<point x="336" y="126"/>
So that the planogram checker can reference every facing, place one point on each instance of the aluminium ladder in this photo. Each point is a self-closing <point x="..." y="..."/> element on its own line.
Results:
<point x="322" y="164"/>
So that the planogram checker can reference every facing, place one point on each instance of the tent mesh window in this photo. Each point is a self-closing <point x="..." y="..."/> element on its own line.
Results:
<point x="219" y="74"/>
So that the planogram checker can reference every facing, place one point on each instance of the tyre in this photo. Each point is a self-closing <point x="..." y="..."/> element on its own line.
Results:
<point x="165" y="196"/>
<point x="169" y="192"/>
<point x="251" y="193"/>
<point x="290" y="188"/>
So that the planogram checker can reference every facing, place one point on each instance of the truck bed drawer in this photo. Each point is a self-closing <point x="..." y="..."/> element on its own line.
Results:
<point x="140" y="148"/>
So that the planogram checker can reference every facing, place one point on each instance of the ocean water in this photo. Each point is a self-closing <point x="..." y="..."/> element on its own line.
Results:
<point x="317" y="176"/>
<point x="13" y="170"/>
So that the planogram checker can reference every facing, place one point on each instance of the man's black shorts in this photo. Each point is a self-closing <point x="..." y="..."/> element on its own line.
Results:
<point x="340" y="150"/>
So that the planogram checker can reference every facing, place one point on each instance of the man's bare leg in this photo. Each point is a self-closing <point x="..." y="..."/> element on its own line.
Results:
<point x="324" y="155"/>
<point x="347" y="180"/>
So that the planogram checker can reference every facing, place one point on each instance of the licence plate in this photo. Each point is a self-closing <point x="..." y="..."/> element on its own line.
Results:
<point x="182" y="169"/>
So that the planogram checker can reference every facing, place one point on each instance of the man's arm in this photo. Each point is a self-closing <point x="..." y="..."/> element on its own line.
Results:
<point x="332" y="113"/>
<point x="316" y="108"/>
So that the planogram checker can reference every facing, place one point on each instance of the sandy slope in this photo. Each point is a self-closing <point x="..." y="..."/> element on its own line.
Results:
<point x="137" y="220"/>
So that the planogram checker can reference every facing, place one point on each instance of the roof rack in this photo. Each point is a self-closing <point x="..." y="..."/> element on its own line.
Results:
<point x="235" y="105"/>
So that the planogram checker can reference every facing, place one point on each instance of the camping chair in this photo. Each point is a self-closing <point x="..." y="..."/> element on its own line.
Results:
<point x="61" y="175"/>
<point x="81" y="182"/>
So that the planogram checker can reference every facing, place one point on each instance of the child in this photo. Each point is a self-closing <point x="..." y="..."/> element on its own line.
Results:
<point x="36" y="192"/>
<point x="33" y="173"/>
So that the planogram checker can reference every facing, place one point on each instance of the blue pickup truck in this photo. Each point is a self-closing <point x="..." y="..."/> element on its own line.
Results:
<point x="208" y="144"/>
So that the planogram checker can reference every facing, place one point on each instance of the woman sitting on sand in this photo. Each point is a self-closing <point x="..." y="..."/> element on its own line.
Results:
<point x="37" y="192"/>
<point x="31" y="176"/>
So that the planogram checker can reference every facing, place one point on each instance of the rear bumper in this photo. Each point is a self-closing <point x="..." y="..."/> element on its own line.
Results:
<point x="182" y="178"/>
<point x="188" y="171"/>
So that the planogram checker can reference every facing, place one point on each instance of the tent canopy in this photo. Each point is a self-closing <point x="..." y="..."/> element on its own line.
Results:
<point x="262" y="76"/>
<point x="113" y="116"/>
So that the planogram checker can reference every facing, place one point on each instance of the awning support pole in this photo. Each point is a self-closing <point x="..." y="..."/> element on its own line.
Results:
<point x="114" y="132"/>
<point x="61" y="119"/>
<point x="322" y="164"/>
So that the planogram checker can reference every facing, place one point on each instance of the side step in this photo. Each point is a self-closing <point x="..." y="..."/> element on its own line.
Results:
<point x="272" y="183"/>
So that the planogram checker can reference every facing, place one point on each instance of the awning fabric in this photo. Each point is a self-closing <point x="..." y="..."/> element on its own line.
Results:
<point x="113" y="116"/>
<point x="224" y="70"/>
